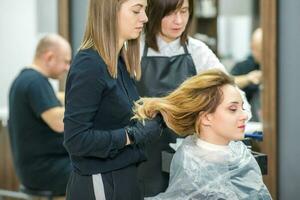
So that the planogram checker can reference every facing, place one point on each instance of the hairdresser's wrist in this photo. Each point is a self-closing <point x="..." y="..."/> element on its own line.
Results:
<point x="129" y="138"/>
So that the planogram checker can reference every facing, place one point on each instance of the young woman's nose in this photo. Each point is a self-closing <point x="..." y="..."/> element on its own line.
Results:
<point x="244" y="115"/>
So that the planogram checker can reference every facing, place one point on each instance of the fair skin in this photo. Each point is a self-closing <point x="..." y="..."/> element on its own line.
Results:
<point x="61" y="97"/>
<point x="53" y="63"/>
<point x="173" y="25"/>
<point x="227" y="123"/>
<point x="131" y="17"/>
<point x="255" y="76"/>
<point x="54" y="118"/>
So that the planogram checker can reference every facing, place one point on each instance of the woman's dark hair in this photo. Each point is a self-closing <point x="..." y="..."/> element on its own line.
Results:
<point x="156" y="11"/>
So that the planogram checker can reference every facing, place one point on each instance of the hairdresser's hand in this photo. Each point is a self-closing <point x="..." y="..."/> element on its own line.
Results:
<point x="141" y="133"/>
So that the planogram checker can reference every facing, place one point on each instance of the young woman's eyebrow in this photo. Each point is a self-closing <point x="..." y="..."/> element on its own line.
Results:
<point x="138" y="5"/>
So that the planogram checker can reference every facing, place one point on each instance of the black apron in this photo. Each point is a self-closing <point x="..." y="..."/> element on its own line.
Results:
<point x="160" y="76"/>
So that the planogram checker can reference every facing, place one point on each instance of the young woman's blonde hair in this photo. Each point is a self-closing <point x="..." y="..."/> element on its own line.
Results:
<point x="182" y="108"/>
<point x="101" y="33"/>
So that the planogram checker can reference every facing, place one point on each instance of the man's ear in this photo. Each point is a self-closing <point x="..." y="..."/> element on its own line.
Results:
<point x="48" y="56"/>
<point x="205" y="118"/>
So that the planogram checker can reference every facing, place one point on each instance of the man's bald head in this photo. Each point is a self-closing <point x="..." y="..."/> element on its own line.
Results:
<point x="256" y="44"/>
<point x="53" y="55"/>
<point x="50" y="42"/>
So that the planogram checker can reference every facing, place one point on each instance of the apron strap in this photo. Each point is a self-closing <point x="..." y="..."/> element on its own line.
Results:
<point x="185" y="49"/>
<point x="145" y="51"/>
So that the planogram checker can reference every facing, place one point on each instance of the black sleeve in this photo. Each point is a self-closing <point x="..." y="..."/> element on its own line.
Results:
<point x="244" y="67"/>
<point x="238" y="69"/>
<point x="84" y="89"/>
<point x="41" y="96"/>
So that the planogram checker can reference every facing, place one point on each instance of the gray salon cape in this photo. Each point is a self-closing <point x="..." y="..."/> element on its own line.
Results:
<point x="201" y="170"/>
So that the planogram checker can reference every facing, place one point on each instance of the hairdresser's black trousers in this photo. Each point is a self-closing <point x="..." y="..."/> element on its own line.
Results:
<point x="120" y="184"/>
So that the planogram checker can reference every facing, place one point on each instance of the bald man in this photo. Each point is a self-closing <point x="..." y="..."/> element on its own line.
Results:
<point x="36" y="119"/>
<point x="248" y="74"/>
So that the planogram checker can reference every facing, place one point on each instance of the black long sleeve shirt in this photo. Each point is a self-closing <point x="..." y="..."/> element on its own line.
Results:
<point x="98" y="107"/>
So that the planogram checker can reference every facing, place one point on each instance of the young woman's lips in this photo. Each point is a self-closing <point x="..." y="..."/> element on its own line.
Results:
<point x="242" y="127"/>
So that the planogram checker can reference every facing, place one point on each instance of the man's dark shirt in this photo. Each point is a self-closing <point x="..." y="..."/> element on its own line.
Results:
<point x="40" y="159"/>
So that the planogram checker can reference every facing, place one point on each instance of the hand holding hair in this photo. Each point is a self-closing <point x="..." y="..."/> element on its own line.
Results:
<point x="145" y="131"/>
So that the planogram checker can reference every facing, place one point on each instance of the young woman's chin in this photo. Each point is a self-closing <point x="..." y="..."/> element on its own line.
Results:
<point x="239" y="136"/>
<point x="134" y="35"/>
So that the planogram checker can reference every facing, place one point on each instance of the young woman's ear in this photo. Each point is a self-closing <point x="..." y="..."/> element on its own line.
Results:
<point x="205" y="118"/>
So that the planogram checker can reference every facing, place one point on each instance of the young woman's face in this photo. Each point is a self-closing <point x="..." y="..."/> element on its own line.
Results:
<point x="173" y="25"/>
<point x="131" y="19"/>
<point x="227" y="123"/>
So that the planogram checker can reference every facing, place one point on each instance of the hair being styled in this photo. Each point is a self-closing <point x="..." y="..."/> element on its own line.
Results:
<point x="101" y="33"/>
<point x="156" y="11"/>
<point x="182" y="107"/>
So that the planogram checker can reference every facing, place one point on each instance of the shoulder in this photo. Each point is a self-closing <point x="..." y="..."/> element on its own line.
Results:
<point x="203" y="57"/>
<point x="240" y="148"/>
<point x="245" y="155"/>
<point x="25" y="83"/>
<point x="32" y="79"/>
<point x="197" y="45"/>
<point x="186" y="151"/>
<point x="88" y="63"/>
<point x="87" y="58"/>
<point x="199" y="49"/>
<point x="31" y="75"/>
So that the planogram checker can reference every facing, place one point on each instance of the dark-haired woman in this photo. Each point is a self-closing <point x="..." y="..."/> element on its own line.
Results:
<point x="169" y="56"/>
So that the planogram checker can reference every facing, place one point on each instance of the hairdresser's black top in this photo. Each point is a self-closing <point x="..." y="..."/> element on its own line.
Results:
<point x="98" y="107"/>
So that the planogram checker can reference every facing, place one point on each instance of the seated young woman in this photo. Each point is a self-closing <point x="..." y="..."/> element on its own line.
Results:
<point x="211" y="163"/>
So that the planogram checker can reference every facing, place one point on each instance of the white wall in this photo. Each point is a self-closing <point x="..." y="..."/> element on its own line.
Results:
<point x="78" y="20"/>
<point x="234" y="36"/>
<point x="234" y="28"/>
<point x="18" y="37"/>
<point x="235" y="7"/>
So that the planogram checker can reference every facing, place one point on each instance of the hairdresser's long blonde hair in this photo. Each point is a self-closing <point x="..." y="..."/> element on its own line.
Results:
<point x="102" y="34"/>
<point x="181" y="108"/>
